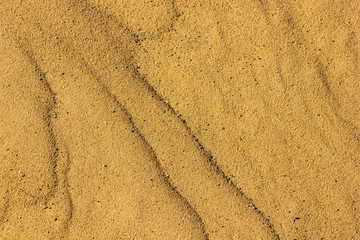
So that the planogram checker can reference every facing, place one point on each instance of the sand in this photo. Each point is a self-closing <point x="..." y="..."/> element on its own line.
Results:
<point x="179" y="119"/>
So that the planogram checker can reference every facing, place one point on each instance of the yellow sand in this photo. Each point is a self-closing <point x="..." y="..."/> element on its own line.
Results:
<point x="179" y="119"/>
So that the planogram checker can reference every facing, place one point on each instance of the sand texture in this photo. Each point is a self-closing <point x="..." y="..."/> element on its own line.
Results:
<point x="150" y="119"/>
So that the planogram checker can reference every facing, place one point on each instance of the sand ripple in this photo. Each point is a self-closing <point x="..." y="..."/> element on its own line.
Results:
<point x="179" y="120"/>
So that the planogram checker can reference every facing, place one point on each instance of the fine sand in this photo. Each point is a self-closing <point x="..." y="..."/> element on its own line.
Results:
<point x="134" y="119"/>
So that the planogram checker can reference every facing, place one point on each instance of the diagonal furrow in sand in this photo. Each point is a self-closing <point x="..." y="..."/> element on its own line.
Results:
<point x="225" y="211"/>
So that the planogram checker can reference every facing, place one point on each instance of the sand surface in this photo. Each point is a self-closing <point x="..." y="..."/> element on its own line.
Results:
<point x="134" y="119"/>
